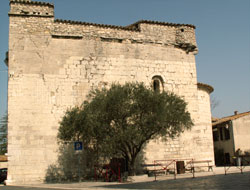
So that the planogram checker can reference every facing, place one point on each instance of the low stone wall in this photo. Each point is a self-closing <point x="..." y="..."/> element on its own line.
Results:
<point x="3" y="164"/>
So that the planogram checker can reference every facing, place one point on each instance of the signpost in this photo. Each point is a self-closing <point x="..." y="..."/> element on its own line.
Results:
<point x="78" y="148"/>
<point x="78" y="145"/>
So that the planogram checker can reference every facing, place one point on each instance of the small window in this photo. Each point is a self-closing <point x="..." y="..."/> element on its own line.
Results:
<point x="157" y="83"/>
<point x="227" y="133"/>
<point x="182" y="30"/>
<point x="215" y="135"/>
<point x="221" y="134"/>
<point x="156" y="86"/>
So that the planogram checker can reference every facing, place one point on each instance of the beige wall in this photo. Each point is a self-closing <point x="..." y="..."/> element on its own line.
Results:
<point x="242" y="133"/>
<point x="192" y="144"/>
<point x="53" y="65"/>
<point x="204" y="134"/>
<point x="239" y="136"/>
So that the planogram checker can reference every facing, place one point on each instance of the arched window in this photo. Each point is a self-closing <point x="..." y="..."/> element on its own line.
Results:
<point x="157" y="83"/>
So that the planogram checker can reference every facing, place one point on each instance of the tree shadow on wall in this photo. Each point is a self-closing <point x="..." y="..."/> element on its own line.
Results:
<point x="72" y="165"/>
<point x="75" y="166"/>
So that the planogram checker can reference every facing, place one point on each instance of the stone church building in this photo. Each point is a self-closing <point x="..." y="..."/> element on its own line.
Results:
<point x="53" y="64"/>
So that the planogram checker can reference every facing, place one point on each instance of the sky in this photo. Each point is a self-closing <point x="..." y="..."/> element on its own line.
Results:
<point x="222" y="34"/>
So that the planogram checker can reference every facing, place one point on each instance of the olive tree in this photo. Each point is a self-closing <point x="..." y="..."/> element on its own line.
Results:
<point x="119" y="121"/>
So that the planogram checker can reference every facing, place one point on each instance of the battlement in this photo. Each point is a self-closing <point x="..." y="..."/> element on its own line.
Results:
<point x="143" y="32"/>
<point x="31" y="8"/>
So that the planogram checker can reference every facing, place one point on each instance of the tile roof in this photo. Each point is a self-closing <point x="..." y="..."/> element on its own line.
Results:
<point x="214" y="119"/>
<point x="94" y="24"/>
<point x="132" y="27"/>
<point x="135" y="25"/>
<point x="3" y="158"/>
<point x="229" y="118"/>
<point x="32" y="2"/>
<point x="209" y="88"/>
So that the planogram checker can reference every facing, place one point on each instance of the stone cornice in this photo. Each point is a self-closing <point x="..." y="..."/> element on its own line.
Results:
<point x="207" y="87"/>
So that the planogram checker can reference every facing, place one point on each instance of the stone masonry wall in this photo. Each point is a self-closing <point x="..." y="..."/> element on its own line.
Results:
<point x="241" y="132"/>
<point x="204" y="133"/>
<point x="19" y="7"/>
<point x="54" y="64"/>
<point x="193" y="144"/>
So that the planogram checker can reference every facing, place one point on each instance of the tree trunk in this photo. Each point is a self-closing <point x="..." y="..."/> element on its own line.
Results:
<point x="131" y="166"/>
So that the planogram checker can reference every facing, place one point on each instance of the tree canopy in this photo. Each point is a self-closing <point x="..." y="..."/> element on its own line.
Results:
<point x="119" y="121"/>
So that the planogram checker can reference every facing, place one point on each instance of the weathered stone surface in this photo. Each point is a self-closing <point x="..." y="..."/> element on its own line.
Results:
<point x="54" y="64"/>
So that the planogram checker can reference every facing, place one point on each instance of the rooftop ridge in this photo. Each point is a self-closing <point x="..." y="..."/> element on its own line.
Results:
<point x="158" y="23"/>
<point x="32" y="2"/>
<point x="95" y="24"/>
<point x="132" y="27"/>
<point x="231" y="117"/>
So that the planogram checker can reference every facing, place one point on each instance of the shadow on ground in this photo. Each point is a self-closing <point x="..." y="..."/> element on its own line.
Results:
<point x="231" y="181"/>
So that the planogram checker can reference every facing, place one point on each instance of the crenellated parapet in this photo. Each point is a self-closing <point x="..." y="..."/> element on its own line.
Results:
<point x="180" y="35"/>
<point x="31" y="18"/>
<point x="142" y="32"/>
<point x="185" y="38"/>
<point x="31" y="8"/>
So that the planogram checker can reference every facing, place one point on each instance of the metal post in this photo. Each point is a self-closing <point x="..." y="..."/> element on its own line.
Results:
<point x="106" y="173"/>
<point x="95" y="174"/>
<point x="193" y="168"/>
<point x="174" y="169"/>
<point x="78" y="148"/>
<point x="154" y="170"/>
<point x="119" y="173"/>
<point x="79" y="161"/>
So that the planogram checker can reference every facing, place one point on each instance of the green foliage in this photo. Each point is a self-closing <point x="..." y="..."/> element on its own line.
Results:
<point x="71" y="165"/>
<point x="3" y="134"/>
<point x="119" y="121"/>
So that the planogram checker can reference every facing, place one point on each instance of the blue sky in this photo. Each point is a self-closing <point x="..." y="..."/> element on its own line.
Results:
<point x="222" y="34"/>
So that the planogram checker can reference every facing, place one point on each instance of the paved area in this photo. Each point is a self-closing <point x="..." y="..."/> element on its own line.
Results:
<point x="205" y="180"/>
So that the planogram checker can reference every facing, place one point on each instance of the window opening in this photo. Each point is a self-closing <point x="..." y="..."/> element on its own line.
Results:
<point x="156" y="86"/>
<point x="157" y="83"/>
<point x="227" y="133"/>
<point x="215" y="135"/>
<point x="221" y="133"/>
